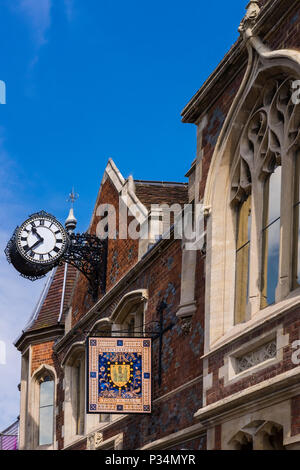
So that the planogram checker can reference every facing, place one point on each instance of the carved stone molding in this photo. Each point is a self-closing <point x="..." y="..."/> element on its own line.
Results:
<point x="249" y="20"/>
<point x="272" y="130"/>
<point x="94" y="440"/>
<point x="186" y="325"/>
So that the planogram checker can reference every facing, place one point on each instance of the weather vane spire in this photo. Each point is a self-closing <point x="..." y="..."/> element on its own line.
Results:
<point x="71" y="220"/>
<point x="72" y="197"/>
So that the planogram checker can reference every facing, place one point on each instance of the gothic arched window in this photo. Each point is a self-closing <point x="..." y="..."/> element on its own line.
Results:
<point x="46" y="411"/>
<point x="263" y="164"/>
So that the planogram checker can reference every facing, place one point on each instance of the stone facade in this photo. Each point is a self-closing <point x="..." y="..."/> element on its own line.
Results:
<point x="225" y="384"/>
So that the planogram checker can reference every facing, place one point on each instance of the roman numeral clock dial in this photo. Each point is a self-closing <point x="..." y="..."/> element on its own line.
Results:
<point x="38" y="245"/>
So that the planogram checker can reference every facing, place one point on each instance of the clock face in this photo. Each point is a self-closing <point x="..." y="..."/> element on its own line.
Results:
<point x="42" y="239"/>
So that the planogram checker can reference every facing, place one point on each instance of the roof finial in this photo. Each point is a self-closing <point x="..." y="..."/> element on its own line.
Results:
<point x="71" y="220"/>
<point x="72" y="197"/>
<point x="249" y="20"/>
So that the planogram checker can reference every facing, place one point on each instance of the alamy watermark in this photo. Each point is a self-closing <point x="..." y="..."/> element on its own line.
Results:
<point x="296" y="93"/>
<point x="2" y="353"/>
<point x="160" y="221"/>
<point x="2" y="92"/>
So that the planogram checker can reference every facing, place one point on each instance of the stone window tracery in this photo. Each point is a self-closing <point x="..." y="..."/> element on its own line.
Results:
<point x="258" y="356"/>
<point x="266" y="148"/>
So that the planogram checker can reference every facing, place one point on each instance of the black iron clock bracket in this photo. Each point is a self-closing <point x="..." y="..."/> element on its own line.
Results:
<point x="88" y="253"/>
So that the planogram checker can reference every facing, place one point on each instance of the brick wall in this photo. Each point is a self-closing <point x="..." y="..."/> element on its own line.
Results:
<point x="42" y="354"/>
<point x="121" y="255"/>
<point x="181" y="361"/>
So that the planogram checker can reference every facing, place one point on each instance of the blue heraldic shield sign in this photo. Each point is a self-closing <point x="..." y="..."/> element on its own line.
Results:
<point x="119" y="375"/>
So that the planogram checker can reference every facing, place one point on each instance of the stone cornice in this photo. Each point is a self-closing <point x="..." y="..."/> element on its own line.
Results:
<point x="176" y="438"/>
<point x="267" y="393"/>
<point x="235" y="61"/>
<point x="39" y="336"/>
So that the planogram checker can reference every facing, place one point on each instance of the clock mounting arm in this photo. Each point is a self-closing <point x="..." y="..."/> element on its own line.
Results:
<point x="87" y="253"/>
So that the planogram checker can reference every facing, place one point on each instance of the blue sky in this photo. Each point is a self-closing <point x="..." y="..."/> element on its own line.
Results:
<point x="88" y="80"/>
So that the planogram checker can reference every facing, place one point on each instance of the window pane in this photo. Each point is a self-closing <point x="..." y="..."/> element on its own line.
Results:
<point x="46" y="425"/>
<point x="242" y="260"/>
<point x="271" y="237"/>
<point x="80" y="397"/>
<point x="274" y="195"/>
<point x="46" y="412"/>
<point x="46" y="393"/>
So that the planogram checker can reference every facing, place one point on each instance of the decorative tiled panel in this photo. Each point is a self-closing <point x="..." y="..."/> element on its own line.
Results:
<point x="119" y="379"/>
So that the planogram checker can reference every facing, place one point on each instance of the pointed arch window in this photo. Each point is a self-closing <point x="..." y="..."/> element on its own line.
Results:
<point x="264" y="152"/>
<point x="46" y="411"/>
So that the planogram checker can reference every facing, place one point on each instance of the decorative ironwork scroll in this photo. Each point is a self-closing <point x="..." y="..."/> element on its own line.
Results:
<point x="88" y="254"/>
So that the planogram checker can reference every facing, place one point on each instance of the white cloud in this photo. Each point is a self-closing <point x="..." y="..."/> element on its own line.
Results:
<point x="37" y="13"/>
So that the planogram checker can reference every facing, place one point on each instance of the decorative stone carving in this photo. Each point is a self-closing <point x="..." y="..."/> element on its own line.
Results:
<point x="91" y="442"/>
<point x="98" y="439"/>
<point x="94" y="440"/>
<point x="272" y="130"/>
<point x="186" y="325"/>
<point x="253" y="358"/>
<point x="249" y="20"/>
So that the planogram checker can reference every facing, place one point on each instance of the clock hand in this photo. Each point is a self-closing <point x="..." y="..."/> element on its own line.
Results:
<point x="35" y="245"/>
<point x="34" y="230"/>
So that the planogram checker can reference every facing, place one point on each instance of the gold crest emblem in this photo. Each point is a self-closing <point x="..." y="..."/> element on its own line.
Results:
<point x="120" y="374"/>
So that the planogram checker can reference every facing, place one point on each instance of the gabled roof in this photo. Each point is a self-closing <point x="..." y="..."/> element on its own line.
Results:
<point x="156" y="192"/>
<point x="54" y="300"/>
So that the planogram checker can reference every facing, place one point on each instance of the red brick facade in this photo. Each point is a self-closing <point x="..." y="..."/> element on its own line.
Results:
<point x="159" y="271"/>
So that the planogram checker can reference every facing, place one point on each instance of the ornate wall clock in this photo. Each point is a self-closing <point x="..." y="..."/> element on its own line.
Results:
<point x="42" y="243"/>
<point x="37" y="245"/>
